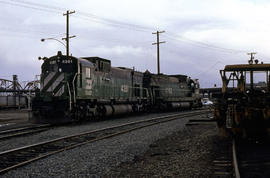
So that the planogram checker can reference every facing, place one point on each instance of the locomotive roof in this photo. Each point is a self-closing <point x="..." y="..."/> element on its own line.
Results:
<point x="85" y="62"/>
<point x="94" y="59"/>
<point x="247" y="67"/>
<point x="182" y="78"/>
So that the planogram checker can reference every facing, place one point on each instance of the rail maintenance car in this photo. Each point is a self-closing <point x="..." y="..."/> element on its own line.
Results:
<point x="243" y="107"/>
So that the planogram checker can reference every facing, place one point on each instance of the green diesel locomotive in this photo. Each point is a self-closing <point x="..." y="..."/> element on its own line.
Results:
<point x="75" y="89"/>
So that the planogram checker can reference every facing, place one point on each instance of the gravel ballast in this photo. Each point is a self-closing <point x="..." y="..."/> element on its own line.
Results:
<point x="189" y="152"/>
<point x="168" y="149"/>
<point x="98" y="158"/>
<point x="61" y="131"/>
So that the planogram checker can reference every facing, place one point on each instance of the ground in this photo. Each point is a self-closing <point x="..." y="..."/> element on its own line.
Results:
<point x="187" y="153"/>
<point x="10" y="118"/>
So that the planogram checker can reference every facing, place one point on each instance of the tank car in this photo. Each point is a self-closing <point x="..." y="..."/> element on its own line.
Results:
<point x="243" y="107"/>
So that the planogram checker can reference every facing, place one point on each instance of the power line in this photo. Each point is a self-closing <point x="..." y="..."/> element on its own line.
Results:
<point x="28" y="6"/>
<point x="110" y="23"/>
<point x="115" y="23"/>
<point x="39" y="5"/>
<point x="81" y="15"/>
<point x="87" y="16"/>
<point x="209" y="69"/>
<point x="201" y="44"/>
<point x="25" y="30"/>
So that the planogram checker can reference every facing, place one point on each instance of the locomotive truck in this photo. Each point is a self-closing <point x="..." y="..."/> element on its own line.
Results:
<point x="73" y="89"/>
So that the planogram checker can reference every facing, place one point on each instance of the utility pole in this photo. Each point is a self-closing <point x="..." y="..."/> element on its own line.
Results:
<point x="67" y="32"/>
<point x="251" y="57"/>
<point x="157" y="43"/>
<point x="251" y="72"/>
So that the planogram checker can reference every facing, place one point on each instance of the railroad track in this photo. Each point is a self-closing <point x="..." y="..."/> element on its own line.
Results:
<point x="6" y="134"/>
<point x="252" y="159"/>
<point x="223" y="164"/>
<point x="235" y="160"/>
<point x="245" y="159"/>
<point x="15" y="158"/>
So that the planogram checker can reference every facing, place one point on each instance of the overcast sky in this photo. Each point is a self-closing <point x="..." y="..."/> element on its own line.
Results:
<point x="201" y="36"/>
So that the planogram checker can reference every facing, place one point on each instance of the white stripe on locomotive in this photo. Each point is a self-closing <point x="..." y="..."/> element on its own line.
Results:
<point x="47" y="79"/>
<point x="60" y="91"/>
<point x="59" y="79"/>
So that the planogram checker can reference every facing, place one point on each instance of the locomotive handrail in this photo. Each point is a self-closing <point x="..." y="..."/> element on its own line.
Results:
<point x="70" y="99"/>
<point x="73" y="85"/>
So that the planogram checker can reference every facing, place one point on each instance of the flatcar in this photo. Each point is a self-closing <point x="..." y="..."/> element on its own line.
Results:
<point x="243" y="107"/>
<point x="75" y="89"/>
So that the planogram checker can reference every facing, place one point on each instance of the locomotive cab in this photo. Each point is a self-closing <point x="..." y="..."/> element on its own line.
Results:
<point x="56" y="73"/>
<point x="55" y="89"/>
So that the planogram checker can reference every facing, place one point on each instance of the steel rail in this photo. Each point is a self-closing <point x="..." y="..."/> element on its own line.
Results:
<point x="93" y="138"/>
<point x="23" y="128"/>
<point x="235" y="161"/>
<point x="6" y="134"/>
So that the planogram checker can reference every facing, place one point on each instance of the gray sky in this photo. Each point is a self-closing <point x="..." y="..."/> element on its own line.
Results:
<point x="201" y="36"/>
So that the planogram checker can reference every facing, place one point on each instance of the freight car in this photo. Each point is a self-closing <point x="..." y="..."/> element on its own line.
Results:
<point x="243" y="107"/>
<point x="88" y="87"/>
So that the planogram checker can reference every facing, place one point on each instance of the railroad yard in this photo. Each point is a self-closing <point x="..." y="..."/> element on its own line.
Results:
<point x="174" y="144"/>
<point x="134" y="89"/>
<point x="177" y="148"/>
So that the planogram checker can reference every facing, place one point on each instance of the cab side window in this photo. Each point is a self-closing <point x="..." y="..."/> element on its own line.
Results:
<point x="87" y="72"/>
